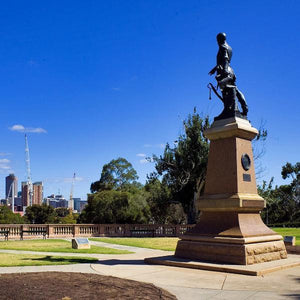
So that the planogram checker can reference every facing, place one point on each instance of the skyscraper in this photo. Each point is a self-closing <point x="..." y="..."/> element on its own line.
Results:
<point x="37" y="193"/>
<point x="37" y="197"/>
<point x="25" y="194"/>
<point x="77" y="203"/>
<point x="11" y="186"/>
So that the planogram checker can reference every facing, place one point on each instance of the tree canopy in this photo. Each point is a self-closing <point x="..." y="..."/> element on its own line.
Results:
<point x="116" y="175"/>
<point x="117" y="197"/>
<point x="283" y="203"/>
<point x="40" y="214"/>
<point x="46" y="214"/>
<point x="115" y="207"/>
<point x="8" y="217"/>
<point x="183" y="166"/>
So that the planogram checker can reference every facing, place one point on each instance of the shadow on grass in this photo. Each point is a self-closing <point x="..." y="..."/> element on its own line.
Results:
<point x="67" y="260"/>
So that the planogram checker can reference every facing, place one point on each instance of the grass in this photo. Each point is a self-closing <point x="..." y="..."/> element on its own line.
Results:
<point x="14" y="260"/>
<point x="289" y="231"/>
<point x="168" y="244"/>
<point x="55" y="245"/>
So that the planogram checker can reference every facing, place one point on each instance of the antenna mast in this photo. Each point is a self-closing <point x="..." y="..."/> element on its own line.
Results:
<point x="71" y="202"/>
<point x="29" y="182"/>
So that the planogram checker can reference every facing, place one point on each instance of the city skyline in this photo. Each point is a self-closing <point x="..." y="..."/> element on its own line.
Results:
<point x="91" y="83"/>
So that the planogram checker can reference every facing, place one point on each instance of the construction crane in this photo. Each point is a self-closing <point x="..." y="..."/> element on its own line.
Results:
<point x="71" y="201"/>
<point x="29" y="182"/>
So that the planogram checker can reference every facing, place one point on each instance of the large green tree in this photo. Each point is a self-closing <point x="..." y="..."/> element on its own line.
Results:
<point x="111" y="206"/>
<point x="183" y="166"/>
<point x="116" y="175"/>
<point x="293" y="172"/>
<point x="283" y="202"/>
<point x="117" y="197"/>
<point x="64" y="215"/>
<point x="40" y="214"/>
<point x="163" y="209"/>
<point x="8" y="217"/>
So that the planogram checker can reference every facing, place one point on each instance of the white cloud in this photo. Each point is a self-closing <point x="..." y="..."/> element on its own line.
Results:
<point x="154" y="146"/>
<point x="4" y="160"/>
<point x="141" y="155"/>
<point x="70" y="179"/>
<point x="21" y="128"/>
<point x="17" y="128"/>
<point x="144" y="161"/>
<point x="4" y="166"/>
<point x="4" y="153"/>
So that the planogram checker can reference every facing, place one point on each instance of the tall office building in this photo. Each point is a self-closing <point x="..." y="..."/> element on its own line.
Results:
<point x="25" y="194"/>
<point x="37" y="196"/>
<point x="37" y="193"/>
<point x="11" y="186"/>
<point x="76" y="202"/>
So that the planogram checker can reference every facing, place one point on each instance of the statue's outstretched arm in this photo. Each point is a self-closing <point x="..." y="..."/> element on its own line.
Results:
<point x="213" y="70"/>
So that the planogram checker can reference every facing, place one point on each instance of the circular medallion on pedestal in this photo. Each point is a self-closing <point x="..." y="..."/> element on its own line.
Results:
<point x="246" y="162"/>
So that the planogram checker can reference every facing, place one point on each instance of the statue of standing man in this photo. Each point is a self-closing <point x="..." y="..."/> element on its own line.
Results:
<point x="226" y="82"/>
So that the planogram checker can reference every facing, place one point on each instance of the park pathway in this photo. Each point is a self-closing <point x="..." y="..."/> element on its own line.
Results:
<point x="186" y="284"/>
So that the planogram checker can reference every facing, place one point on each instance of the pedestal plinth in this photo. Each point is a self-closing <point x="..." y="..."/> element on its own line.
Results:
<point x="230" y="228"/>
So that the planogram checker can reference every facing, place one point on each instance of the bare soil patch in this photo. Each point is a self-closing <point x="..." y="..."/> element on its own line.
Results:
<point x="60" y="285"/>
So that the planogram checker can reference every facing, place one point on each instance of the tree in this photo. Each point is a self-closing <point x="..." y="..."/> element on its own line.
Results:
<point x="162" y="207"/>
<point x="40" y="214"/>
<point x="64" y="215"/>
<point x="112" y="206"/>
<point x="8" y="217"/>
<point x="259" y="149"/>
<point x="116" y="175"/>
<point x="293" y="172"/>
<point x="183" y="167"/>
<point x="283" y="203"/>
<point x="117" y="197"/>
<point x="62" y="212"/>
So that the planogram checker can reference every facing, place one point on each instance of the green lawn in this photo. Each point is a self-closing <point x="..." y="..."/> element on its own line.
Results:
<point x="55" y="245"/>
<point x="168" y="244"/>
<point x="289" y="231"/>
<point x="13" y="260"/>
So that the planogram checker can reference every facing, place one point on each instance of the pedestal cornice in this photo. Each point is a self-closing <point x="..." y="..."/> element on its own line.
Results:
<point x="231" y="127"/>
<point x="233" y="202"/>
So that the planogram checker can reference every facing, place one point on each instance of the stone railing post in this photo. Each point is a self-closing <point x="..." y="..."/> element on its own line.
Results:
<point x="50" y="230"/>
<point x="76" y="230"/>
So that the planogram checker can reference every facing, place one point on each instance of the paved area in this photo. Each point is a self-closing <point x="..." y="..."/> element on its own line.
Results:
<point x="184" y="283"/>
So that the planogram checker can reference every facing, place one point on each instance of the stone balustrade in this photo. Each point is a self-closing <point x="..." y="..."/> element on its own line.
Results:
<point x="92" y="230"/>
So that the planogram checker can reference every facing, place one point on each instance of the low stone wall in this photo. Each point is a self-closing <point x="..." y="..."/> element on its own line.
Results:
<point x="92" y="230"/>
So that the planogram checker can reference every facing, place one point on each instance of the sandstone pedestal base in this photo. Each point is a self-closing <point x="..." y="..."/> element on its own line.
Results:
<point x="230" y="229"/>
<point x="231" y="251"/>
<point x="252" y="270"/>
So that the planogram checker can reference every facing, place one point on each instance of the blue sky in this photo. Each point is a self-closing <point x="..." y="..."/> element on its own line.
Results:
<point x="105" y="79"/>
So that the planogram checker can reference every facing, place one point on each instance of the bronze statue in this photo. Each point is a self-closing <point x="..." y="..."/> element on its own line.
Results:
<point x="226" y="82"/>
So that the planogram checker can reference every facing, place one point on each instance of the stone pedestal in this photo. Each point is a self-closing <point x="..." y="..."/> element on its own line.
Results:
<point x="230" y="228"/>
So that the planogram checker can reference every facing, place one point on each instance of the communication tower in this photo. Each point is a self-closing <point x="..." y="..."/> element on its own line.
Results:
<point x="71" y="201"/>
<point x="29" y="181"/>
